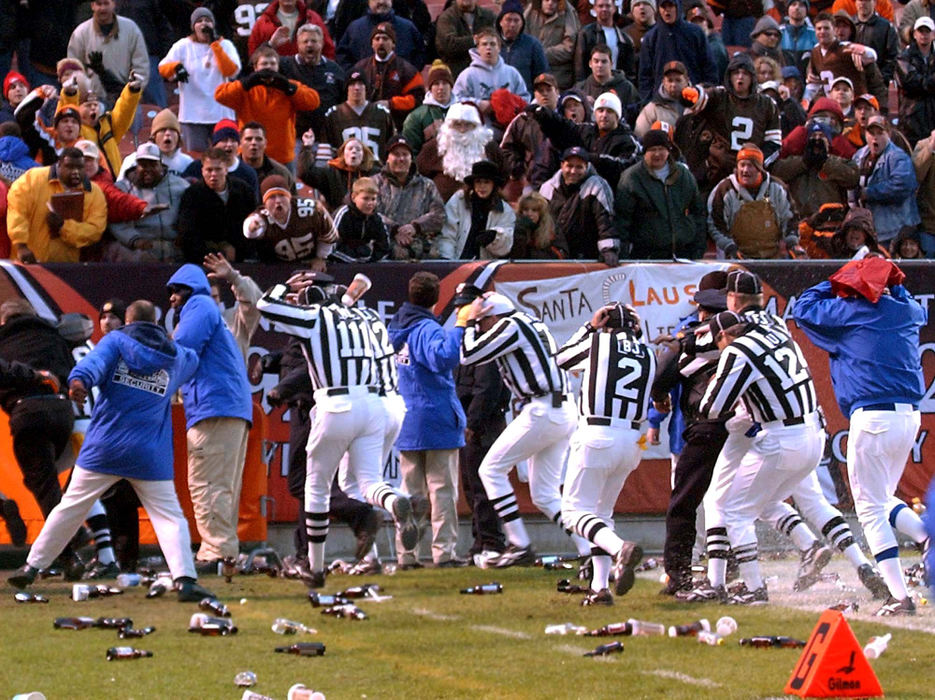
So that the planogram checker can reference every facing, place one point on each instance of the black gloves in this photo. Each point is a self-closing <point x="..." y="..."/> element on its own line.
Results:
<point x="283" y="84"/>
<point x="730" y="251"/>
<point x="252" y="80"/>
<point x="270" y="78"/>
<point x="486" y="237"/>
<point x="212" y="34"/>
<point x="181" y="75"/>
<point x="96" y="61"/>
<point x="816" y="153"/>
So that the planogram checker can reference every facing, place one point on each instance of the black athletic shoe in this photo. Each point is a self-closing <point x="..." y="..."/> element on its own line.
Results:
<point x="624" y="569"/>
<point x="814" y="559"/>
<point x="601" y="597"/>
<point x="515" y="556"/>
<point x="315" y="579"/>
<point x="9" y="511"/>
<point x="25" y="576"/>
<point x="97" y="570"/>
<point x="873" y="582"/>
<point x="192" y="592"/>
<point x="73" y="568"/>
<point x="367" y="534"/>
<point x="405" y="521"/>
<point x="893" y="607"/>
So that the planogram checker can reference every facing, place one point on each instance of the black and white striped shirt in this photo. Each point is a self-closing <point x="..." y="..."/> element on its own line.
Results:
<point x="619" y="372"/>
<point x="385" y="354"/>
<point x="524" y="351"/>
<point x="337" y="342"/>
<point x="765" y="368"/>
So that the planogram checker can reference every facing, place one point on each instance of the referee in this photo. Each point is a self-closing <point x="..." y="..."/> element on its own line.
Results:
<point x="766" y="371"/>
<point x="614" y="403"/>
<point x="524" y="351"/>
<point x="349" y="415"/>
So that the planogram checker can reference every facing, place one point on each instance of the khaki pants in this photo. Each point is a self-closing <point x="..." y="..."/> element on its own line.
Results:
<point x="216" y="451"/>
<point x="433" y="473"/>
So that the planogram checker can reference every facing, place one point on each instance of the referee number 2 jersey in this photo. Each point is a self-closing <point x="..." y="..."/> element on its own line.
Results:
<point x="337" y="342"/>
<point x="524" y="351"/>
<point x="618" y="373"/>
<point x="766" y="369"/>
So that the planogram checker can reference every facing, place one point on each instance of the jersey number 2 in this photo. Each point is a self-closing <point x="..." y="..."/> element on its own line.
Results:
<point x="743" y="130"/>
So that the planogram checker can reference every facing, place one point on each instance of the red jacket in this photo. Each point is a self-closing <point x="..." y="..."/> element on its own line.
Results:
<point x="5" y="245"/>
<point x="121" y="206"/>
<point x="268" y="22"/>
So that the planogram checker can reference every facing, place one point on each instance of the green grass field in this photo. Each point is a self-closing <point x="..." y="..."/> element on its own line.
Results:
<point x="431" y="642"/>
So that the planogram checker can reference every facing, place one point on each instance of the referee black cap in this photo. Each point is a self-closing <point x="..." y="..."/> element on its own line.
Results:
<point x="619" y="315"/>
<point x="466" y="294"/>
<point x="743" y="282"/>
<point x="723" y="321"/>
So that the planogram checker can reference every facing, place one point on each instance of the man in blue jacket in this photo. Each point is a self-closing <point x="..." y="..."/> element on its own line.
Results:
<point x="218" y="411"/>
<point x="673" y="39"/>
<point x="868" y="323"/>
<point x="138" y="369"/>
<point x="356" y="42"/>
<point x="433" y="429"/>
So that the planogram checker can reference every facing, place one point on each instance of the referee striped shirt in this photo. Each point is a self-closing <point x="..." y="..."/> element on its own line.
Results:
<point x="765" y="368"/>
<point x="385" y="354"/>
<point x="618" y="373"/>
<point x="524" y="351"/>
<point x="337" y="342"/>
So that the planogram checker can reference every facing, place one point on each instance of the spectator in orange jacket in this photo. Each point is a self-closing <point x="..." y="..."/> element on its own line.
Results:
<point x="278" y="24"/>
<point x="268" y="97"/>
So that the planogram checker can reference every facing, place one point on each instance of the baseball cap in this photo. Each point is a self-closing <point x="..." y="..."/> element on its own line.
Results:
<point x="842" y="79"/>
<point x="791" y="72"/>
<point x="357" y="77"/>
<point x="576" y="152"/>
<point x="675" y="67"/>
<point x="546" y="79"/>
<point x="743" y="282"/>
<point x="148" y="151"/>
<point x="88" y="148"/>
<point x="398" y="142"/>
<point x="712" y="292"/>
<point x="878" y="121"/>
<point x="924" y="22"/>
<point x="869" y="99"/>
<point x="64" y="112"/>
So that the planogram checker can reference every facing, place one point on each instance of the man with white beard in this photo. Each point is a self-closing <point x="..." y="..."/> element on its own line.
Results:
<point x="462" y="140"/>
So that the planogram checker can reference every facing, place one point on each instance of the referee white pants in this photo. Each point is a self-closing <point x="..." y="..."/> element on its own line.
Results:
<point x="539" y="434"/>
<point x="352" y="423"/>
<point x="810" y="502"/>
<point x="158" y="498"/>
<point x="728" y="461"/>
<point x="778" y="459"/>
<point x="601" y="459"/>
<point x="394" y="410"/>
<point x="878" y="444"/>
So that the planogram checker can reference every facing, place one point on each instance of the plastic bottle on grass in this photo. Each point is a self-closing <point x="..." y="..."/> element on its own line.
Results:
<point x="129" y="580"/>
<point x="710" y="638"/>
<point x="318" y="600"/>
<point x="565" y="628"/>
<point x="647" y="629"/>
<point x="690" y="630"/>
<point x="876" y="646"/>
<point x="303" y="649"/>
<point x="283" y="626"/>
<point x="126" y="653"/>
<point x="605" y="649"/>
<point x="24" y="597"/>
<point x="483" y="589"/>
<point x="208" y="626"/>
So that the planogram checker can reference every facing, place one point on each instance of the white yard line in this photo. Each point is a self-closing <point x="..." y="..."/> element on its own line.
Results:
<point x="424" y="612"/>
<point x="514" y="634"/>
<point x="682" y="677"/>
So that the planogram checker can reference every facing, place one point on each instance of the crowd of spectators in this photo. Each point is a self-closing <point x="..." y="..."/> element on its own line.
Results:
<point x="366" y="131"/>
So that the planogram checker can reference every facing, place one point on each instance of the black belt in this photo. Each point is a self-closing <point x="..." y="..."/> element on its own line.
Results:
<point x="597" y="420"/>
<point x="794" y="421"/>
<point x="880" y="407"/>
<point x="344" y="391"/>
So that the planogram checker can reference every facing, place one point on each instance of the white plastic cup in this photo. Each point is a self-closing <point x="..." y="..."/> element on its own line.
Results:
<point x="80" y="591"/>
<point x="356" y="289"/>
<point x="129" y="580"/>
<point x="34" y="695"/>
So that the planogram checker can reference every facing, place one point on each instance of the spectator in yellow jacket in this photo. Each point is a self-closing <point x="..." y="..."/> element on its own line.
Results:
<point x="40" y="234"/>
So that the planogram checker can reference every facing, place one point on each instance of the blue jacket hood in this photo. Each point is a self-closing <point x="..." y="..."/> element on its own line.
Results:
<point x="13" y="148"/>
<point x="146" y="347"/>
<point x="405" y="320"/>
<point x="191" y="276"/>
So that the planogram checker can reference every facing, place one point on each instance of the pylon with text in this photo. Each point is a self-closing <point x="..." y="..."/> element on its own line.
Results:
<point x="833" y="664"/>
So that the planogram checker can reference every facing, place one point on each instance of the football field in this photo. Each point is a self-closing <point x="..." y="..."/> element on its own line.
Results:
<point x="430" y="641"/>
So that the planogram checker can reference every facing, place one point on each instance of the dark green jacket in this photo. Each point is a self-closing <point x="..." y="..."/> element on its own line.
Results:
<point x="659" y="221"/>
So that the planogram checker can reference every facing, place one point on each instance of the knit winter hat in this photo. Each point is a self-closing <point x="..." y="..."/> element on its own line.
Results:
<point x="199" y="13"/>
<point x="511" y="6"/>
<point x="114" y="306"/>
<point x="225" y="129"/>
<point x="274" y="184"/>
<point x="611" y="102"/>
<point x="439" y="71"/>
<point x="13" y="77"/>
<point x="750" y="151"/>
<point x="166" y="119"/>
<point x="655" y="137"/>
<point x="386" y="29"/>
<point x="68" y="64"/>
<point x="63" y="112"/>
